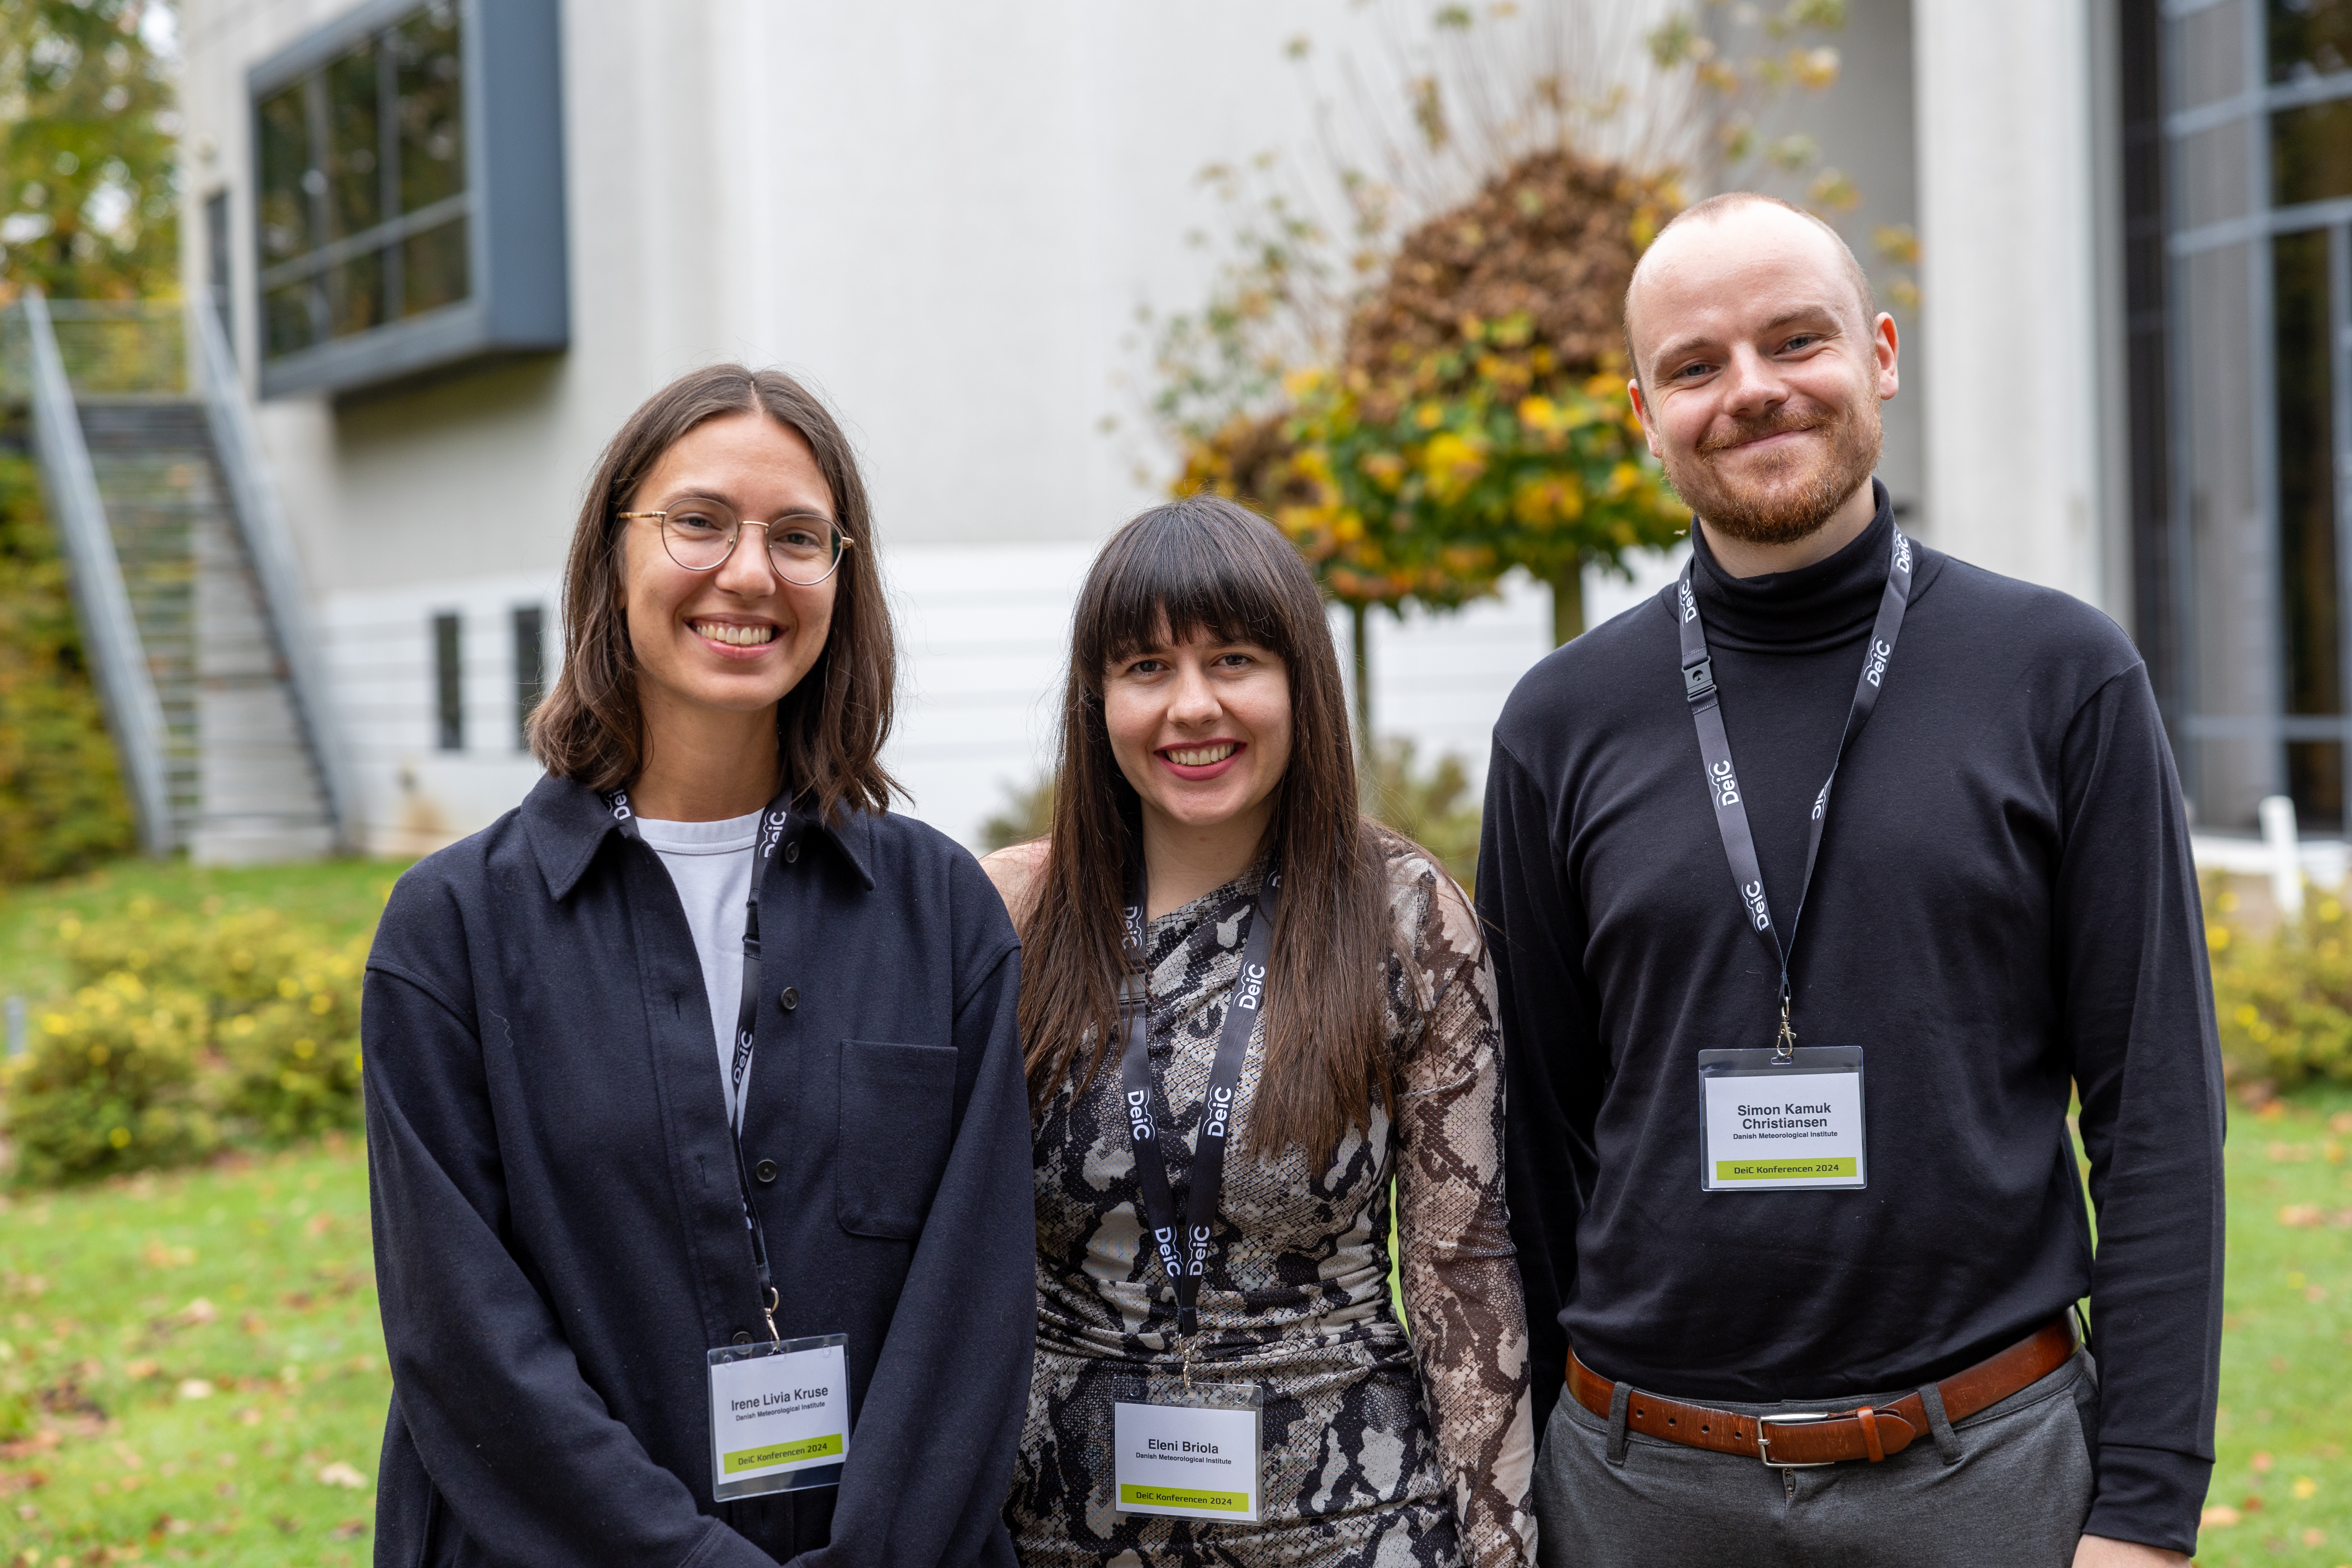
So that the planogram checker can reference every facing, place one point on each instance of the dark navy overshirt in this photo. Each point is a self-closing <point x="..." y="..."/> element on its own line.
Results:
<point x="559" y="1230"/>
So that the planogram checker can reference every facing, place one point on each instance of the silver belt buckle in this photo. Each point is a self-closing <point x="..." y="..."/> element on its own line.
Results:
<point x="1800" y="1418"/>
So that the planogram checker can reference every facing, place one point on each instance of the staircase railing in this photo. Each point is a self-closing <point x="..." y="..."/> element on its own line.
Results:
<point x="269" y="546"/>
<point x="125" y="682"/>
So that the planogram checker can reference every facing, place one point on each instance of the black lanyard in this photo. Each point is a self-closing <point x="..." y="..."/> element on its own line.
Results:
<point x="746" y="1017"/>
<point x="1723" y="782"/>
<point x="1184" y="1265"/>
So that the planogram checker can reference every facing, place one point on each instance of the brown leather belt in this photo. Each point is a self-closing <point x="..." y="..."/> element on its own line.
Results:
<point x="1805" y="1437"/>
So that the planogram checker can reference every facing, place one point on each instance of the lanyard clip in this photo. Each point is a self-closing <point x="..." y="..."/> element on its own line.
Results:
<point x="1784" y="1048"/>
<point x="1698" y="680"/>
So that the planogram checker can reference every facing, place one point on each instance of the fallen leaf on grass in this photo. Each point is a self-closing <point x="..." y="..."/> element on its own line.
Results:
<point x="143" y="1368"/>
<point x="2250" y="1505"/>
<point x="318" y="1225"/>
<point x="2262" y="1463"/>
<point x="195" y="1388"/>
<point x="2301" y="1216"/>
<point x="339" y="1474"/>
<point x="2314" y="1537"/>
<point x="23" y="1481"/>
<point x="349" y="1530"/>
<point x="199" y="1311"/>
<point x="2305" y="1486"/>
<point x="2341" y="1122"/>
<point x="248" y="1416"/>
<point x="2220" y="1516"/>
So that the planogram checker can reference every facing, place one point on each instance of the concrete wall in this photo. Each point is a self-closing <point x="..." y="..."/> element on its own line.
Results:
<point x="2020" y="285"/>
<point x="944" y="216"/>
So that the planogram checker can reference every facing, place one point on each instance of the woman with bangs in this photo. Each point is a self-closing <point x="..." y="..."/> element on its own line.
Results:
<point x="1220" y="950"/>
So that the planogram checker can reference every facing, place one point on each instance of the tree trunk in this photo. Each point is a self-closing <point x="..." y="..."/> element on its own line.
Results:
<point x="1361" y="617"/>
<point x="1568" y="606"/>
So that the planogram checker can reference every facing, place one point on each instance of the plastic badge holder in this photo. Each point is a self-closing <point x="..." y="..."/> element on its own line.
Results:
<point x="820" y="1463"/>
<point x="1191" y="1487"/>
<point x="1794" y="1156"/>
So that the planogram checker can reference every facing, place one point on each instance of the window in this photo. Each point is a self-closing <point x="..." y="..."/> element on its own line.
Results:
<point x="216" y="262"/>
<point x="405" y="216"/>
<point x="530" y="671"/>
<point x="449" y="682"/>
<point x="364" y="188"/>
<point x="2254" y="310"/>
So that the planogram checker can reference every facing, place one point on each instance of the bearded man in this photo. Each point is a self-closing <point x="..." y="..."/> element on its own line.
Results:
<point x="1820" y="884"/>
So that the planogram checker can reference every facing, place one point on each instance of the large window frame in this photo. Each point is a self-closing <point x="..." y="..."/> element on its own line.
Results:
<point x="2219" y="133"/>
<point x="498" y="235"/>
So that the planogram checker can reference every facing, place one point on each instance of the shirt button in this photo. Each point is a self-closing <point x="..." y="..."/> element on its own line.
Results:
<point x="766" y="1171"/>
<point x="789" y="997"/>
<point x="792" y="851"/>
<point x="743" y="1337"/>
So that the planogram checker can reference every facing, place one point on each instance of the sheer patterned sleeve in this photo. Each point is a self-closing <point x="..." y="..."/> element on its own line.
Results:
<point x="1460" y="1278"/>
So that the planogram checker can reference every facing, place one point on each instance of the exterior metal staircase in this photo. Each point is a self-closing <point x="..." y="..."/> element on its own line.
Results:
<point x="183" y="578"/>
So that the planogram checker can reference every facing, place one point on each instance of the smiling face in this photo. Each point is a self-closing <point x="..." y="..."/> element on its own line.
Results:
<point x="1760" y="379"/>
<point x="1201" y="729"/>
<point x="736" y="639"/>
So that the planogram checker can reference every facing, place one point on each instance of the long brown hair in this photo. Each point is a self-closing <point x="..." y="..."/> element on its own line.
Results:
<point x="829" y="728"/>
<point x="1207" y="565"/>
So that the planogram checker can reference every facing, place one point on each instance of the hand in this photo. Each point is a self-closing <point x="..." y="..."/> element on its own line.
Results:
<point x="2098" y="1551"/>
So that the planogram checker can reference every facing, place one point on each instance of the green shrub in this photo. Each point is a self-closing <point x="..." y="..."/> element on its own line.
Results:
<point x="2283" y="998"/>
<point x="62" y="806"/>
<point x="111" y="1084"/>
<point x="263" y="1047"/>
<point x="1434" y="809"/>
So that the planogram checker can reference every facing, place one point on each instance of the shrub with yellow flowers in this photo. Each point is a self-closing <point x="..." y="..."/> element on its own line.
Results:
<point x="185" y="1032"/>
<point x="110" y="1083"/>
<point x="2283" y="998"/>
<point x="1479" y="418"/>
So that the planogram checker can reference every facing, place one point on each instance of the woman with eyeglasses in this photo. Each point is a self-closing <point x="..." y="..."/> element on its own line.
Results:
<point x="1251" y="1013"/>
<point x="695" y="1119"/>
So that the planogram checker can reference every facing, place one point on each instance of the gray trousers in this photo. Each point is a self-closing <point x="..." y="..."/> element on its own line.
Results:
<point x="2011" y="1485"/>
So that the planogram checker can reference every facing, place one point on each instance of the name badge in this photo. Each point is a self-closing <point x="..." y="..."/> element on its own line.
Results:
<point x="1771" y="1125"/>
<point x="1193" y="1457"/>
<point x="778" y="1416"/>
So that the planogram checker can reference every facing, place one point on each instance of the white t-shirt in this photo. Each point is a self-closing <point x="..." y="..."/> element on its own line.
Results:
<point x="710" y="862"/>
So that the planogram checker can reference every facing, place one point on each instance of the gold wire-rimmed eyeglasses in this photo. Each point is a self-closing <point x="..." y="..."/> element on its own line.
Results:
<point x="699" y="535"/>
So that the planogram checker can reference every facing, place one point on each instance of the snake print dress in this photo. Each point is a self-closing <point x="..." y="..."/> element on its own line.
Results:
<point x="1380" y="1452"/>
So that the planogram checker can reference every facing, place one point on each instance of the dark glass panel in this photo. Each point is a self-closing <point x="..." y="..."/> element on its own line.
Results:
<point x="284" y="209"/>
<point x="448" y="684"/>
<point x="354" y="139"/>
<point x="2308" y="581"/>
<point x="2311" y="152"/>
<point x="530" y="668"/>
<point x="434" y="268"/>
<point x="2310" y="37"/>
<point x="355" y="294"/>
<point x="431" y="107"/>
<point x="286" y="321"/>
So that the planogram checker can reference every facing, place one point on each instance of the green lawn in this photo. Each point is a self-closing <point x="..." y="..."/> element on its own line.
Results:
<point x="2283" y="1490"/>
<point x="203" y="1362"/>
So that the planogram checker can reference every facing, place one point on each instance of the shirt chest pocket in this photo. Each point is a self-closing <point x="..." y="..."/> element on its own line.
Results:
<point x="897" y="1117"/>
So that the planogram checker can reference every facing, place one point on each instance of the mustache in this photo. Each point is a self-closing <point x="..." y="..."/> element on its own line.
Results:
<point x="1722" y="438"/>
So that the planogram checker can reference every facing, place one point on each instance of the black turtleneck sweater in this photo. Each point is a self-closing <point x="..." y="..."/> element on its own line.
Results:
<point x="2005" y="913"/>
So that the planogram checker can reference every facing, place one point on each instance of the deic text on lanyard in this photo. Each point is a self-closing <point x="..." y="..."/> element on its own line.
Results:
<point x="747" y="1017"/>
<point x="1723" y="780"/>
<point x="1185" y="1260"/>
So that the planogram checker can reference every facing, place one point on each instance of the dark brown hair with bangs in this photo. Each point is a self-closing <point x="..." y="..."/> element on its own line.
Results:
<point x="1206" y="564"/>
<point x="830" y="728"/>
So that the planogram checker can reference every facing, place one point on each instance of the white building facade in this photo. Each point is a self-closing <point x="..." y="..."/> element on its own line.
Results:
<point x="457" y="241"/>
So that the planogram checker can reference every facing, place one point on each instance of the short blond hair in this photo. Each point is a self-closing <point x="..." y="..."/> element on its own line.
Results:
<point x="1727" y="202"/>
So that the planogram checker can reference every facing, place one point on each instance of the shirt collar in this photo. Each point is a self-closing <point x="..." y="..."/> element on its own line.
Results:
<point x="568" y="824"/>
